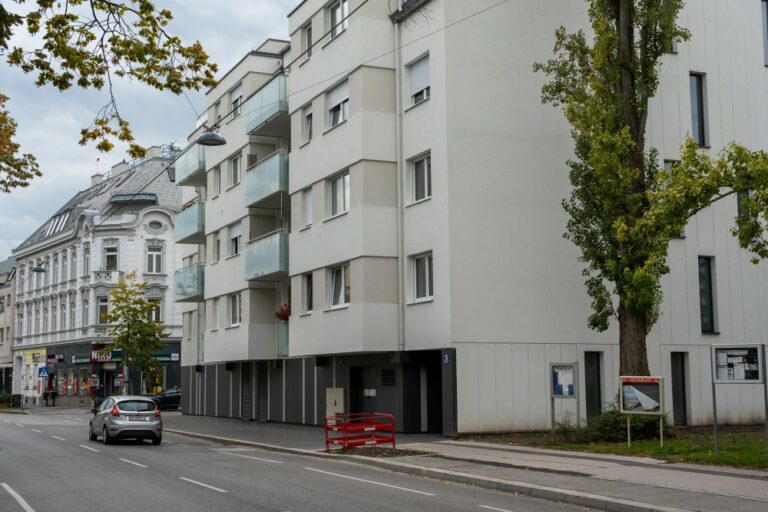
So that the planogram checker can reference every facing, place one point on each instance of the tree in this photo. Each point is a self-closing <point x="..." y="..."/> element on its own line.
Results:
<point x="133" y="330"/>
<point x="624" y="207"/>
<point x="89" y="43"/>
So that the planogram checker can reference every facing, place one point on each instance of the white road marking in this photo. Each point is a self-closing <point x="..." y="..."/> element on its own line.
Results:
<point x="369" y="481"/>
<point x="134" y="463"/>
<point x="17" y="497"/>
<point x="88" y="448"/>
<point x="169" y="442"/>
<point x="251" y="457"/>
<point x="35" y="430"/>
<point x="59" y="438"/>
<point x="6" y="421"/>
<point x="19" y="425"/>
<point x="494" y="508"/>
<point x="201" y="484"/>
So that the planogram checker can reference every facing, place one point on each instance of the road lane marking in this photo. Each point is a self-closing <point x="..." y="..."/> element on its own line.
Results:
<point x="369" y="481"/>
<point x="88" y="448"/>
<point x="6" y="421"/>
<point x="35" y="430"/>
<point x="494" y="508"/>
<point x="19" y="425"/>
<point x="134" y="463"/>
<point x="17" y="497"/>
<point x="169" y="442"/>
<point x="251" y="457"/>
<point x="201" y="484"/>
<point x="59" y="438"/>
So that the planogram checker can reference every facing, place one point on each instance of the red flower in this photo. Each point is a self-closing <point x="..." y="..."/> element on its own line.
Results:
<point x="283" y="312"/>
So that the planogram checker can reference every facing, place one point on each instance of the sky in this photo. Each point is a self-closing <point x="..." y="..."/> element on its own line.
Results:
<point x="49" y="121"/>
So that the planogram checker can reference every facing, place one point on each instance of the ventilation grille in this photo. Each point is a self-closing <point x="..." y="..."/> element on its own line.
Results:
<point x="388" y="377"/>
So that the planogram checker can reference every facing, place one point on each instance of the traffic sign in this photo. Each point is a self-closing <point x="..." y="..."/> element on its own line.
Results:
<point x="42" y="372"/>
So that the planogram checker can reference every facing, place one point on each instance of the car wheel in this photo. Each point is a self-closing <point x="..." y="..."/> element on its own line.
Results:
<point x="91" y="435"/>
<point x="157" y="440"/>
<point x="105" y="436"/>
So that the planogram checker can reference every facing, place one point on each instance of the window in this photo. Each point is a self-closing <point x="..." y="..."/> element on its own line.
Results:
<point x="338" y="11"/>
<point x="217" y="246"/>
<point x="422" y="178"/>
<point x="86" y="260"/>
<point x="55" y="272"/>
<point x="235" y="313"/>
<point x="235" y="236"/>
<point x="306" y="205"/>
<point x="154" y="260"/>
<point x="110" y="258"/>
<point x="306" y="40"/>
<point x="765" y="30"/>
<point x="103" y="309"/>
<point x="340" y="295"/>
<point x="236" y="99"/>
<point x="63" y="319"/>
<point x="154" y="313"/>
<point x="698" y="110"/>
<point x="72" y="312"/>
<point x="234" y="170"/>
<point x="337" y="100"/>
<point x="2" y="336"/>
<point x="420" y="80"/>
<point x="306" y="130"/>
<point x="741" y="203"/>
<point x="422" y="277"/>
<point x="216" y="181"/>
<point x="55" y="318"/>
<point x="86" y="318"/>
<point x="37" y="318"/>
<point x="307" y="290"/>
<point x="215" y="313"/>
<point x="217" y="111"/>
<point x="73" y="269"/>
<point x="20" y="326"/>
<point x="45" y="316"/>
<point x="339" y="194"/>
<point x="29" y="319"/>
<point x="706" y="295"/>
<point x="22" y="280"/>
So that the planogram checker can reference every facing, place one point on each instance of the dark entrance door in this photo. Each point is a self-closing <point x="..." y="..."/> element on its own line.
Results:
<point x="261" y="391"/>
<point x="246" y="391"/>
<point x="679" y="392"/>
<point x="593" y="378"/>
<point x="361" y="378"/>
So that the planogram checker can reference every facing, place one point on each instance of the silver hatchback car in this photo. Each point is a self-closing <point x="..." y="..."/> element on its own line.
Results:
<point x="126" y="417"/>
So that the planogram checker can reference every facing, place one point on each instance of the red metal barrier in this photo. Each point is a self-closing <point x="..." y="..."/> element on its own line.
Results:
<point x="359" y="429"/>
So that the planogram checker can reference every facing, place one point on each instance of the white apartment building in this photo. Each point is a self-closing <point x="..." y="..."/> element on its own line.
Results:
<point x="7" y="321"/>
<point x="122" y="223"/>
<point x="428" y="273"/>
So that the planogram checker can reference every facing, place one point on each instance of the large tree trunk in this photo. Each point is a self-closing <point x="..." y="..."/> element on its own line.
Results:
<point x="633" y="355"/>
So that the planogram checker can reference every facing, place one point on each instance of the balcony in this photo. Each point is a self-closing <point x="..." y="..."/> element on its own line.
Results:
<point x="266" y="258"/>
<point x="190" y="167"/>
<point x="282" y="339"/>
<point x="190" y="225"/>
<point x="266" y="181"/>
<point x="267" y="110"/>
<point x="106" y="276"/>
<point x="189" y="283"/>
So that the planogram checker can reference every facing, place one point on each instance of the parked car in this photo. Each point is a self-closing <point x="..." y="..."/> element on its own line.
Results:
<point x="168" y="399"/>
<point x="126" y="417"/>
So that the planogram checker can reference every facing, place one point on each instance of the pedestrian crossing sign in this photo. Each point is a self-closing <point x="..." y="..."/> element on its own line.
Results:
<point x="42" y="372"/>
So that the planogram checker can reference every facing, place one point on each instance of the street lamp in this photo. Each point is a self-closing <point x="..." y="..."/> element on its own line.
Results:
<point x="210" y="138"/>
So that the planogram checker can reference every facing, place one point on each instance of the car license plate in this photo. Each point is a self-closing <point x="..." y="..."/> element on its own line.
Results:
<point x="137" y="418"/>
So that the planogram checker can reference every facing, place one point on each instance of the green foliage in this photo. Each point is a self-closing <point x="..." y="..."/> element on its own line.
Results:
<point x="89" y="42"/>
<point x="133" y="331"/>
<point x="5" y="399"/>
<point x="15" y="169"/>
<point x="610" y="427"/>
<point x="624" y="208"/>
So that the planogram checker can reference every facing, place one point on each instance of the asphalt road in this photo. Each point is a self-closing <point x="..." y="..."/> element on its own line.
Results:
<point x="47" y="464"/>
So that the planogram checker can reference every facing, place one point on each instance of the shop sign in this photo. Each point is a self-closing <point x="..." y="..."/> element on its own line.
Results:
<point x="167" y="357"/>
<point x="36" y="357"/>
<point x="81" y="359"/>
<point x="642" y="395"/>
<point x="105" y="354"/>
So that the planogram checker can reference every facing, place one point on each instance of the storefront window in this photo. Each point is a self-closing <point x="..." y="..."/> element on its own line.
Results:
<point x="83" y="381"/>
<point x="70" y="381"/>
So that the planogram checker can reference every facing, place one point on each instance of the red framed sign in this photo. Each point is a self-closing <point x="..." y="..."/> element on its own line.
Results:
<point x="642" y="395"/>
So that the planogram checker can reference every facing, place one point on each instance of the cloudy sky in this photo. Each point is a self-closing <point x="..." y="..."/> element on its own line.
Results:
<point x="49" y="122"/>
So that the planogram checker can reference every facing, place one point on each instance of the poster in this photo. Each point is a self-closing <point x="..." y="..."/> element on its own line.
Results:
<point x="737" y="364"/>
<point x="563" y="380"/>
<point x="642" y="395"/>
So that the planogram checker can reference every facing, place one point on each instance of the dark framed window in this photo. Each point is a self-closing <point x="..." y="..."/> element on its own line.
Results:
<point x="764" y="16"/>
<point x="698" y="112"/>
<point x="706" y="295"/>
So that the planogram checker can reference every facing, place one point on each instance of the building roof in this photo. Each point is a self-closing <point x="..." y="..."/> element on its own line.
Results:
<point x="7" y="265"/>
<point x="139" y="177"/>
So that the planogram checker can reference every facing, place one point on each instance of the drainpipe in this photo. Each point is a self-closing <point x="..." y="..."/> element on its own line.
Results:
<point x="400" y="191"/>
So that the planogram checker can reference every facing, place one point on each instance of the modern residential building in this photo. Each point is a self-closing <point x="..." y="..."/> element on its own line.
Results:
<point x="7" y="321"/>
<point x="406" y="157"/>
<point x="65" y="270"/>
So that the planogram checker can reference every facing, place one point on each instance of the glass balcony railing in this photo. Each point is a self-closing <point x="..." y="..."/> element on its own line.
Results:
<point x="189" y="283"/>
<point x="190" y="225"/>
<point x="264" y="109"/>
<point x="268" y="178"/>
<point x="267" y="257"/>
<point x="190" y="167"/>
<point x="282" y="339"/>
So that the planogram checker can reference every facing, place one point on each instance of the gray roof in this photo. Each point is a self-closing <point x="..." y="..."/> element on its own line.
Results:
<point x="145" y="176"/>
<point x="7" y="265"/>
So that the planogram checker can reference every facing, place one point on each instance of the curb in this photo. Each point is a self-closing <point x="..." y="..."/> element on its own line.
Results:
<point x="607" y="503"/>
<point x="13" y="411"/>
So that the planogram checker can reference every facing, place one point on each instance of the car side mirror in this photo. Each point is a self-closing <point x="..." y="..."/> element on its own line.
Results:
<point x="93" y="410"/>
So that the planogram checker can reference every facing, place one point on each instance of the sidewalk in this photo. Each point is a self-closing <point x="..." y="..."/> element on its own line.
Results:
<point x="606" y="482"/>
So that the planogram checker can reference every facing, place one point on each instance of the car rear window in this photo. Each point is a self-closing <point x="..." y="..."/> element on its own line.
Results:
<point x="136" y="406"/>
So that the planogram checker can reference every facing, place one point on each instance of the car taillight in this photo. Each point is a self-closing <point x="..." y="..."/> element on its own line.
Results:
<point x="114" y="411"/>
<point x="157" y="412"/>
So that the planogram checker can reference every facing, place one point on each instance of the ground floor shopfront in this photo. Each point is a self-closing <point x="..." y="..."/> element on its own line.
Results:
<point x="6" y="378"/>
<point x="79" y="373"/>
<point x="417" y="387"/>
